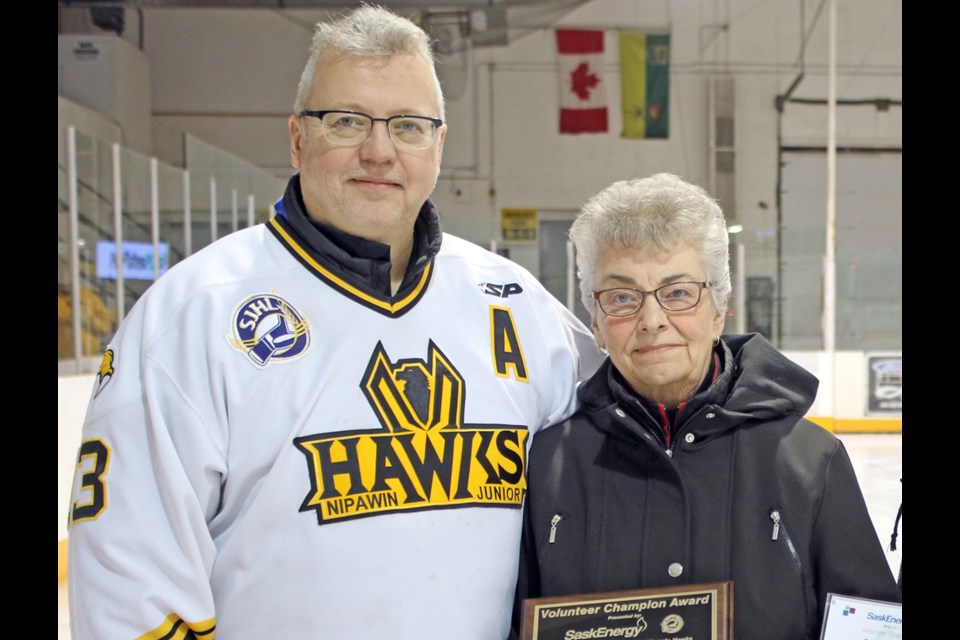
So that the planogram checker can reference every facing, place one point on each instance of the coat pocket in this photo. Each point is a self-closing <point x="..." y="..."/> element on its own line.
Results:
<point x="780" y="535"/>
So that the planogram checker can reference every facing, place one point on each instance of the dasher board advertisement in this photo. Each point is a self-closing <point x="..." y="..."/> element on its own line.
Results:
<point x="885" y="383"/>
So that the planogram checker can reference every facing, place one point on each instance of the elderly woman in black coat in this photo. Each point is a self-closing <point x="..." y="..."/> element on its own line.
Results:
<point x="690" y="460"/>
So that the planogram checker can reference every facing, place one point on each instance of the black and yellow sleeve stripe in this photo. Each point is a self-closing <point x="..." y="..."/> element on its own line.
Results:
<point x="174" y="628"/>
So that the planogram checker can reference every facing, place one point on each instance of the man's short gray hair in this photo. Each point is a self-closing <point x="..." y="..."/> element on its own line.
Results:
<point x="657" y="213"/>
<point x="370" y="31"/>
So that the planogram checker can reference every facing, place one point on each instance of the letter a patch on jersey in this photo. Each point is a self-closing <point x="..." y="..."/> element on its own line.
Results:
<point x="422" y="456"/>
<point x="507" y="352"/>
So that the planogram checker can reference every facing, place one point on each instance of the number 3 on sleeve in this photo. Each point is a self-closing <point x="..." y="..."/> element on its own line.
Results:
<point x="91" y="495"/>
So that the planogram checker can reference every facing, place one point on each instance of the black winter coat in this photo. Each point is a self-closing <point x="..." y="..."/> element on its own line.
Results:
<point x="750" y="492"/>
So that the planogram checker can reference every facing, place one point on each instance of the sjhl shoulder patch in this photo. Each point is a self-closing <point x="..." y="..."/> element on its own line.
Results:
<point x="268" y="329"/>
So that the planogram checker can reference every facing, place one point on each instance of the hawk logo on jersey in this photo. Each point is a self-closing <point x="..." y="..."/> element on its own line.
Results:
<point x="267" y="328"/>
<point x="423" y="456"/>
<point x="104" y="373"/>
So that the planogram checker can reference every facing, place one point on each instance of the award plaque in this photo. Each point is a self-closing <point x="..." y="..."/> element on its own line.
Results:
<point x="851" y="617"/>
<point x="687" y="612"/>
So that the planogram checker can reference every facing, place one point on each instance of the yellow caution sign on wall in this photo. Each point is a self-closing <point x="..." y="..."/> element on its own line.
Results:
<point x="518" y="225"/>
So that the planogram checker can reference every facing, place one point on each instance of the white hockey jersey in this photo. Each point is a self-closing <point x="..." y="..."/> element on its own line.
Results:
<point x="273" y="452"/>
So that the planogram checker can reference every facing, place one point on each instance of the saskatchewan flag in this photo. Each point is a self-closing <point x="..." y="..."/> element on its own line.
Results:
<point x="645" y="84"/>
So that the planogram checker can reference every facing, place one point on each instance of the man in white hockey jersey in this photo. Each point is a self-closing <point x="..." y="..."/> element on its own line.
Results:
<point x="317" y="427"/>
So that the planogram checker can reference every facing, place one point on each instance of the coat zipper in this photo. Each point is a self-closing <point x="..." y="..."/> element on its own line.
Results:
<point x="682" y="428"/>
<point x="554" y="521"/>
<point x="779" y="530"/>
<point x="775" y="517"/>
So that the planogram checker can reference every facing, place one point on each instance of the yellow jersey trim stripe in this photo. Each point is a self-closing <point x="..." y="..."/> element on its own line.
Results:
<point x="390" y="307"/>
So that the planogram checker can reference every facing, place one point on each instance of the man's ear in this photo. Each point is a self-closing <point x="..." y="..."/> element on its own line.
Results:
<point x="296" y="140"/>
<point x="443" y="136"/>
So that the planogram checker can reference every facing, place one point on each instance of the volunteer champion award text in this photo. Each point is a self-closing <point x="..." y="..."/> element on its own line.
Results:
<point x="690" y="612"/>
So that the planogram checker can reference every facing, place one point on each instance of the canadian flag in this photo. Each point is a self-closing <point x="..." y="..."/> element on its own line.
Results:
<point x="583" y="94"/>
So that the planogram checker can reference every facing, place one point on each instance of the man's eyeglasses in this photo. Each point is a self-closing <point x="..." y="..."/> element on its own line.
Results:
<point x="676" y="296"/>
<point x="350" y="128"/>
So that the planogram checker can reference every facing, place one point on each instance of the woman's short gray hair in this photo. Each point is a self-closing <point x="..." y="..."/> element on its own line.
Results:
<point x="656" y="213"/>
<point x="370" y="31"/>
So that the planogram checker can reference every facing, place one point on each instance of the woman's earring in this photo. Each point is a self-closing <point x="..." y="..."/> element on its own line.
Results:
<point x="716" y="341"/>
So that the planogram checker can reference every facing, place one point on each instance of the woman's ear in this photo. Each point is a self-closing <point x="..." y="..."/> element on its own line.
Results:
<point x="720" y="317"/>
<point x="594" y="325"/>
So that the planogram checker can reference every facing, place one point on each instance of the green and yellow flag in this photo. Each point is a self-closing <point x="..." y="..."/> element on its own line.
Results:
<point x="645" y="83"/>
